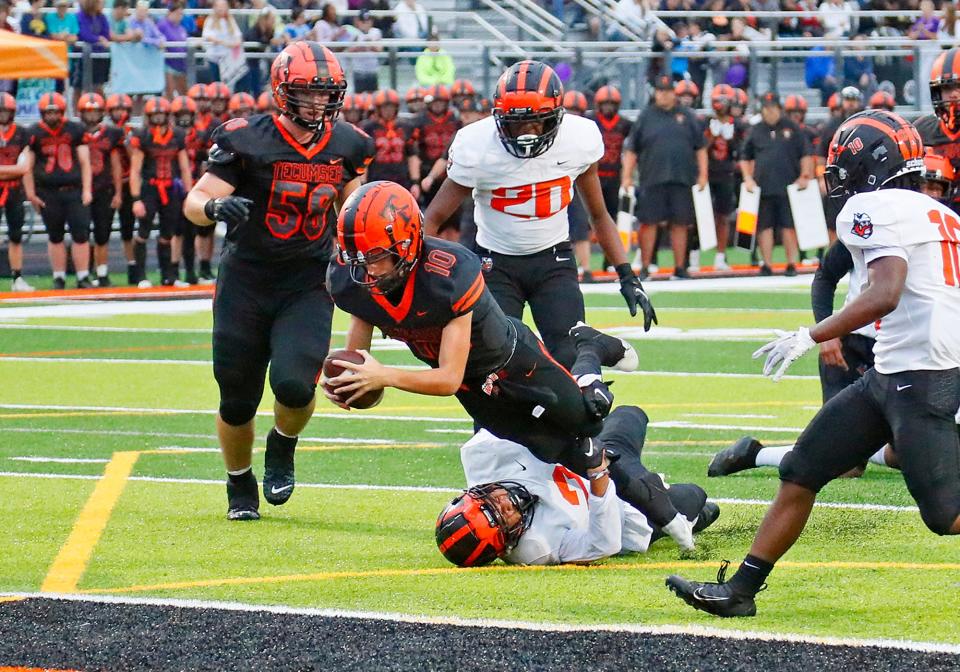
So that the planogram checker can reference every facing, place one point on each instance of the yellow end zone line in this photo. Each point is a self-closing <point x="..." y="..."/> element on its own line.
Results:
<point x="497" y="569"/>
<point x="11" y="598"/>
<point x="74" y="556"/>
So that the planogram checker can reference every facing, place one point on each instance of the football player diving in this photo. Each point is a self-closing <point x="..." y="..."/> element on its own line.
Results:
<point x="907" y="243"/>
<point x="430" y="294"/>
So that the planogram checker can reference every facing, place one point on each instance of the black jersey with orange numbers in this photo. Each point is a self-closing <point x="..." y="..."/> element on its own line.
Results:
<point x="394" y="143"/>
<point x="103" y="141"/>
<point x="939" y="139"/>
<point x="723" y="138"/>
<point x="56" y="163"/>
<point x="197" y="142"/>
<point x="125" y="131"/>
<point x="293" y="188"/>
<point x="432" y="135"/>
<point x="614" y="131"/>
<point x="12" y="142"/>
<point x="160" y="145"/>
<point x="446" y="283"/>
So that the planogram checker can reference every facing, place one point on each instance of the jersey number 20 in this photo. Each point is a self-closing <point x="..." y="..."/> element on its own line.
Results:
<point x="548" y="198"/>
<point x="291" y="209"/>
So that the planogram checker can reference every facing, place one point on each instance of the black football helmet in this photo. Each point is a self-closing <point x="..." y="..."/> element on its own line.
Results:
<point x="529" y="91"/>
<point x="871" y="150"/>
<point x="471" y="532"/>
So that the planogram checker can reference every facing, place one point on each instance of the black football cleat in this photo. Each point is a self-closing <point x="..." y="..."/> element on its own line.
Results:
<point x="707" y="517"/>
<point x="243" y="500"/>
<point x="59" y="283"/>
<point x="740" y="456"/>
<point x="719" y="599"/>
<point x="278" y="470"/>
<point x="615" y="353"/>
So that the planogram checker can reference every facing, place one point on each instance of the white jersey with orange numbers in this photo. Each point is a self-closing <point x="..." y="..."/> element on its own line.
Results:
<point x="520" y="205"/>
<point x="569" y="524"/>
<point x="923" y="332"/>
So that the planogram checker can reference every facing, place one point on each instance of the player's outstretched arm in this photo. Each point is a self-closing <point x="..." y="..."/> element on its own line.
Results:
<point x="448" y="199"/>
<point x="588" y="186"/>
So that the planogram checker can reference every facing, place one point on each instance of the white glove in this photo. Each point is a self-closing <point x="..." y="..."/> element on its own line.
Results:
<point x="681" y="530"/>
<point x="788" y="348"/>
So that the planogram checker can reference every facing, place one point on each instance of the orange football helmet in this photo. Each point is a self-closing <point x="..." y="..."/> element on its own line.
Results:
<point x="607" y="94"/>
<point x="301" y="69"/>
<point x="939" y="170"/>
<point x="380" y="219"/>
<point x="52" y="101"/>
<point x="184" y="111"/>
<point x="119" y="107"/>
<point x="686" y="87"/>
<point x="91" y="107"/>
<point x="795" y="103"/>
<point x="882" y="100"/>
<point x="463" y="87"/>
<point x="722" y="97"/>
<point x="8" y="108"/>
<point x="242" y="105"/>
<point x="528" y="92"/>
<point x="574" y="101"/>
<point x="946" y="74"/>
<point x="157" y="111"/>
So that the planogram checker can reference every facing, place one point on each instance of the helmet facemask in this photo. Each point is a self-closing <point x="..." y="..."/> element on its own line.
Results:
<point x="301" y="98"/>
<point x="515" y="137"/>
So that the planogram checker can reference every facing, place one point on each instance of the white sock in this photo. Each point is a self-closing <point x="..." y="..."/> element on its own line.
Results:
<point x="772" y="456"/>
<point x="103" y="270"/>
<point x="240" y="472"/>
<point x="720" y="258"/>
<point x="60" y="274"/>
<point x="82" y="274"/>
<point x="879" y="458"/>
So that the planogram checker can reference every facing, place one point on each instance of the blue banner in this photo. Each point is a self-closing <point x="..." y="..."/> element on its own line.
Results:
<point x="136" y="68"/>
<point x="29" y="92"/>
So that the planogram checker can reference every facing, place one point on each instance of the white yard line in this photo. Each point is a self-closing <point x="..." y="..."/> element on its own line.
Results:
<point x="394" y="617"/>
<point x="749" y="416"/>
<point x="60" y="460"/>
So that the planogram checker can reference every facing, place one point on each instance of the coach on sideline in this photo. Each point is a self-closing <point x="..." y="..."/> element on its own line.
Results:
<point x="667" y="145"/>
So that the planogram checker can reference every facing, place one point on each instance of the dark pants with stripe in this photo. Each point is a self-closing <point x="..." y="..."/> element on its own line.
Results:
<point x="547" y="280"/>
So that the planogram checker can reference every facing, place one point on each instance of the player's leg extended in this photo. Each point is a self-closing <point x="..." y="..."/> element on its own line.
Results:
<point x="849" y="428"/>
<point x="555" y="300"/>
<point x="299" y="340"/>
<point x="920" y="408"/>
<point x="499" y="276"/>
<point x="241" y="351"/>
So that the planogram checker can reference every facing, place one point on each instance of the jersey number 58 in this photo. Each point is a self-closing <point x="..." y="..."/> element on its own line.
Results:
<point x="291" y="209"/>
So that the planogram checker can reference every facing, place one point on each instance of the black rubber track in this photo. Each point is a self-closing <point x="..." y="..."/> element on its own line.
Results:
<point x="96" y="636"/>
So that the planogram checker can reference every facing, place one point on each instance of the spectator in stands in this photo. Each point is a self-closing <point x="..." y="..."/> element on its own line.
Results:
<point x="411" y="21"/>
<point x="62" y="25"/>
<point x="858" y="70"/>
<point x="639" y="17"/>
<point x="927" y="24"/>
<point x="297" y="29"/>
<point x="32" y="23"/>
<point x="776" y="153"/>
<point x="667" y="145"/>
<point x="143" y="28"/>
<point x="174" y="31"/>
<point x="119" y="28"/>
<point x="382" y="23"/>
<point x="94" y="29"/>
<point x="221" y="35"/>
<point x="6" y="21"/>
<point x="836" y="17"/>
<point x="434" y="65"/>
<point x="264" y="32"/>
<point x="366" y="65"/>
<point x="948" y="26"/>
<point x="328" y="28"/>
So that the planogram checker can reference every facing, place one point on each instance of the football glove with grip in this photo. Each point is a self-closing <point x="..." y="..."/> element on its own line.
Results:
<point x="784" y="351"/>
<point x="592" y="452"/>
<point x="633" y="294"/>
<point x="597" y="396"/>
<point x="233" y="210"/>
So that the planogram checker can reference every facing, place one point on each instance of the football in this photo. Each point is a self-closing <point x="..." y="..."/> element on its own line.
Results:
<point x="331" y="370"/>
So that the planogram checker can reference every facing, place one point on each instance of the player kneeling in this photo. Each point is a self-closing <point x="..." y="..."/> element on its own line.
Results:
<point x="529" y="512"/>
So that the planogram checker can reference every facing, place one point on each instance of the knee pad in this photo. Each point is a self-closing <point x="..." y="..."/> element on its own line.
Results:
<point x="56" y="238"/>
<point x="939" y="512"/>
<point x="204" y="231"/>
<point x="80" y="237"/>
<point x="237" y="412"/>
<point x="294" y="393"/>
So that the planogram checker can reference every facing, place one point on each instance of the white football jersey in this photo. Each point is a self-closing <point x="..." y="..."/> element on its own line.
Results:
<point x="520" y="205"/>
<point x="857" y="282"/>
<point x="569" y="524"/>
<point x="923" y="332"/>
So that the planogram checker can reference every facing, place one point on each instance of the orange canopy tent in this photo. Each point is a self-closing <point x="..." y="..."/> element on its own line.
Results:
<point x="23" y="57"/>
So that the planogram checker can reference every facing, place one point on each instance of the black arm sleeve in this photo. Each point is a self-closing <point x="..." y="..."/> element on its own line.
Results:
<point x="836" y="263"/>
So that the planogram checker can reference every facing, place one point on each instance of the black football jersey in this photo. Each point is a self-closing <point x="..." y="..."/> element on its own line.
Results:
<point x="160" y="146"/>
<point x="12" y="142"/>
<point x="293" y="188"/>
<point x="723" y="139"/>
<point x="125" y="132"/>
<point x="56" y="163"/>
<point x="445" y="284"/>
<point x="197" y="141"/>
<point x="394" y="143"/>
<point x="102" y="141"/>
<point x="938" y="139"/>
<point x="614" y="131"/>
<point x="432" y="135"/>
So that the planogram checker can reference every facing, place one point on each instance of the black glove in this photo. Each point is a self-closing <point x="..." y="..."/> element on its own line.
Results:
<point x="633" y="293"/>
<point x="598" y="399"/>
<point x="592" y="452"/>
<point x="233" y="210"/>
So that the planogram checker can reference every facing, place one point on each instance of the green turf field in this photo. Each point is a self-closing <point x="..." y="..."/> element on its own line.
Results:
<point x="114" y="394"/>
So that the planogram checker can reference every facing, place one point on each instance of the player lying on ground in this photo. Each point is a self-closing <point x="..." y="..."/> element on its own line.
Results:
<point x="534" y="513"/>
<point x="908" y="243"/>
<point x="430" y="294"/>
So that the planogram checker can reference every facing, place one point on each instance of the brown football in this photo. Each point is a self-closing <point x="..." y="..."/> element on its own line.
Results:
<point x="331" y="370"/>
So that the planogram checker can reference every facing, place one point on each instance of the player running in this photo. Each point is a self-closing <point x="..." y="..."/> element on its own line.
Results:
<point x="275" y="181"/>
<point x="908" y="243"/>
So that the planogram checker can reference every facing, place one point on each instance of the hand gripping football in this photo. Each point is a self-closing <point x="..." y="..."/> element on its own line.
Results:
<point x="331" y="370"/>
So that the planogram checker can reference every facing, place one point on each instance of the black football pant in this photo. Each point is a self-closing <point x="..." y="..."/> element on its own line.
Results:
<point x="857" y="350"/>
<point x="11" y="206"/>
<point x="64" y="208"/>
<point x="125" y="214"/>
<point x="102" y="215"/>
<point x="533" y="401"/>
<point x="547" y="280"/>
<point x="278" y="316"/>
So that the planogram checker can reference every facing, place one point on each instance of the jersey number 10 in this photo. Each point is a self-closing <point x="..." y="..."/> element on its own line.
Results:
<point x="292" y="209"/>
<point x="949" y="228"/>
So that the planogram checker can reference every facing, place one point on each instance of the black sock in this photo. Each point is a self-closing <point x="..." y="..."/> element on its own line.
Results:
<point x="588" y="360"/>
<point x="16" y="274"/>
<point x="163" y="260"/>
<point x="205" y="266"/>
<point x="246" y="475"/>
<point x="276" y="440"/>
<point x="140" y="259"/>
<point x="752" y="574"/>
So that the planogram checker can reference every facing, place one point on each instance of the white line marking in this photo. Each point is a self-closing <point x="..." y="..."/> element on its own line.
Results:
<point x="718" y="309"/>
<point x="698" y="631"/>
<point x="748" y="284"/>
<point x="749" y="416"/>
<point x="682" y="424"/>
<point x="428" y="488"/>
<point x="106" y="308"/>
<point x="60" y="460"/>
<point x="122" y="330"/>
<point x="451" y="431"/>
